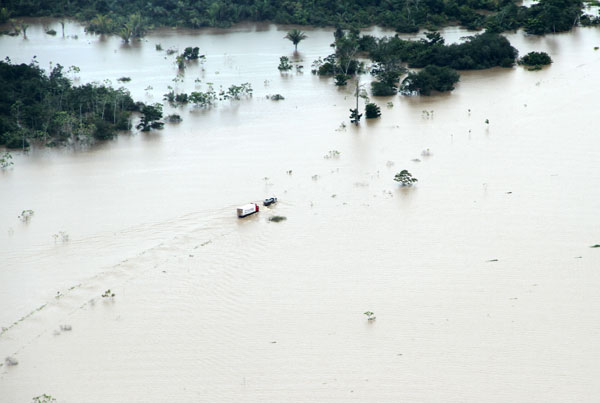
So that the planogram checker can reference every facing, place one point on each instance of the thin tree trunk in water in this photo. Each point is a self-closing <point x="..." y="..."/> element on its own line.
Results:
<point x="357" y="90"/>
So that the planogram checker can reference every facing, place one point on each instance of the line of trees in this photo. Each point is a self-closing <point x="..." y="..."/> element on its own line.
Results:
<point x="49" y="109"/>
<point x="404" y="15"/>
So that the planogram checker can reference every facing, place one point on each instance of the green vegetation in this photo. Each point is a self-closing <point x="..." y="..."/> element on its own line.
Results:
<point x="405" y="178"/>
<point x="342" y="64"/>
<point x="431" y="78"/>
<point x="296" y="36"/>
<point x="26" y="215"/>
<point x="277" y="218"/>
<point x="370" y="315"/>
<point x="355" y="116"/>
<point x="128" y="26"/>
<point x="44" y="399"/>
<point x="108" y="294"/>
<point x="438" y="60"/>
<point x="115" y="17"/>
<point x="553" y="16"/>
<point x="190" y="53"/>
<point x="481" y="51"/>
<point x="210" y="97"/>
<point x="61" y="236"/>
<point x="204" y="99"/>
<point x="535" y="59"/>
<point x="6" y="160"/>
<point x="332" y="154"/>
<point x="372" y="111"/>
<point x="284" y="64"/>
<point x="174" y="118"/>
<point x="151" y="115"/>
<point x="49" y="109"/>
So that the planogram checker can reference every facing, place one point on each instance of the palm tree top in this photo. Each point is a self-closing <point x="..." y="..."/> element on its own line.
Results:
<point x="295" y="35"/>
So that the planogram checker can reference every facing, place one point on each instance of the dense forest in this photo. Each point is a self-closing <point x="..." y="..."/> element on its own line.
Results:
<point x="49" y="109"/>
<point x="112" y="16"/>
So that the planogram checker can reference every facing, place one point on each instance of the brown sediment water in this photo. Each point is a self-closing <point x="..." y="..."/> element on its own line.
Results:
<point x="480" y="276"/>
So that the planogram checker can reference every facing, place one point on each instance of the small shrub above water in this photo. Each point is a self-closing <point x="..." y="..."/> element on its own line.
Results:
<point x="372" y="111"/>
<point x="536" y="59"/>
<point x="277" y="218"/>
<point x="405" y="178"/>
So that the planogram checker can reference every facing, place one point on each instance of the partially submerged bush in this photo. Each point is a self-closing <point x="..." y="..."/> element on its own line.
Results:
<point x="174" y="118"/>
<point x="284" y="64"/>
<point x="44" y="399"/>
<point x="108" y="294"/>
<point x="372" y="111"/>
<point x="6" y="160"/>
<point x="382" y="89"/>
<point x="405" y="178"/>
<point x="370" y="315"/>
<point x="431" y="78"/>
<point x="277" y="218"/>
<point x="26" y="215"/>
<point x="341" y="79"/>
<point x="536" y="59"/>
<point x="332" y="154"/>
<point x="62" y="236"/>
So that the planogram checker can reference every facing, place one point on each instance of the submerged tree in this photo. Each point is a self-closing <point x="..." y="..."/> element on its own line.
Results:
<point x="151" y="115"/>
<point x="24" y="29"/>
<point x="405" y="178"/>
<point x="354" y="115"/>
<point x="535" y="59"/>
<point x="372" y="111"/>
<point x="284" y="64"/>
<point x="431" y="78"/>
<point x="296" y="36"/>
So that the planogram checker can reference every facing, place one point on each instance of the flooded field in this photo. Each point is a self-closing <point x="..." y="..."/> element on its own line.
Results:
<point x="481" y="276"/>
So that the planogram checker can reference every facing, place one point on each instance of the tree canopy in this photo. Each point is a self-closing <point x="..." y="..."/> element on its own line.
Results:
<point x="404" y="15"/>
<point x="48" y="108"/>
<point x="295" y="36"/>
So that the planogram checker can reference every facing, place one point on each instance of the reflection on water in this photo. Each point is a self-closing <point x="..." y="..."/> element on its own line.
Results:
<point x="481" y="276"/>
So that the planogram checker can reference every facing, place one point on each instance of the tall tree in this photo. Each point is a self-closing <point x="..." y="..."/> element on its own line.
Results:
<point x="296" y="36"/>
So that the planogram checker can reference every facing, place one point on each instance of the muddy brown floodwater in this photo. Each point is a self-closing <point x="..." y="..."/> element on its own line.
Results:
<point x="481" y="276"/>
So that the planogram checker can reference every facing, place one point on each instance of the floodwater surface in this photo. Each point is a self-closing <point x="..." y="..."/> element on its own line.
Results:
<point x="481" y="276"/>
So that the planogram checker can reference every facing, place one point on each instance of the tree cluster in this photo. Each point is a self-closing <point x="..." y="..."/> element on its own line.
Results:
<point x="439" y="60"/>
<point x="343" y="63"/>
<point x="535" y="59"/>
<point x="431" y="78"/>
<point x="48" y="108"/>
<point x="210" y="96"/>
